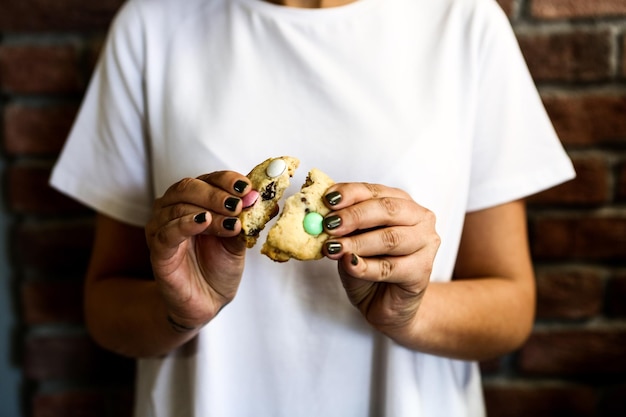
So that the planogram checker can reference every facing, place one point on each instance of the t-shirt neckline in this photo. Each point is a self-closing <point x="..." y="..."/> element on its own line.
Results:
<point x="308" y="14"/>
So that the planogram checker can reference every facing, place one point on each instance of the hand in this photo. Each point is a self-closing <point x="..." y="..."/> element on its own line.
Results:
<point x="196" y="257"/>
<point x="385" y="244"/>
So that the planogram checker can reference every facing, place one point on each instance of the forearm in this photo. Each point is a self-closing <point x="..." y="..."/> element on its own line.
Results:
<point x="471" y="319"/>
<point x="128" y="316"/>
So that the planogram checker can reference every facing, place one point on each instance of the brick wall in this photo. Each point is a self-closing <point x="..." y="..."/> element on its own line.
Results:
<point x="573" y="365"/>
<point x="47" y="52"/>
<point x="575" y="362"/>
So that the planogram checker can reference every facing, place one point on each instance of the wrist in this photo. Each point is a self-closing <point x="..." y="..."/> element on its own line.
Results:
<point x="402" y="333"/>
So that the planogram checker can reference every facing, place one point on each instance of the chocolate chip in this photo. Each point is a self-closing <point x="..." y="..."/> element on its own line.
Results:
<point x="270" y="191"/>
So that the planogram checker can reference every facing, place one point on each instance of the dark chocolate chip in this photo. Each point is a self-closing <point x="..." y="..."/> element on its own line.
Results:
<point x="269" y="192"/>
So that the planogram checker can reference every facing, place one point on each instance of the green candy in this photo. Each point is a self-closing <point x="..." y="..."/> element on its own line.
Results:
<point x="313" y="223"/>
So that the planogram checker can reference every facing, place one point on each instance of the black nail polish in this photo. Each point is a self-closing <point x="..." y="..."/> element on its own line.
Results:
<point x="332" y="222"/>
<point x="229" y="224"/>
<point x="355" y="260"/>
<point x="200" y="218"/>
<point x="240" y="186"/>
<point x="333" y="198"/>
<point x="333" y="247"/>
<point x="231" y="203"/>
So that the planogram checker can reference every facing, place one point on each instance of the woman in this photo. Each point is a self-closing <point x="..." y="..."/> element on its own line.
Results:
<point x="425" y="115"/>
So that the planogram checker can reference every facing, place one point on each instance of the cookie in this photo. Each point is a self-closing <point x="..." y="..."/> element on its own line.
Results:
<point x="298" y="232"/>
<point x="269" y="181"/>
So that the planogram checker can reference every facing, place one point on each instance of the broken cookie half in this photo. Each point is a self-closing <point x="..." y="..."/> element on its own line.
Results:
<point x="298" y="233"/>
<point x="269" y="181"/>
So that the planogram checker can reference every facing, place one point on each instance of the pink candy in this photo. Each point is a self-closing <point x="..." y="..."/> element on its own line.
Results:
<point x="250" y="198"/>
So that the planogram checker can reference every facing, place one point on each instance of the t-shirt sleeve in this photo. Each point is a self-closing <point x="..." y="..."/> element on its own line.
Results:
<point x="516" y="151"/>
<point x="105" y="163"/>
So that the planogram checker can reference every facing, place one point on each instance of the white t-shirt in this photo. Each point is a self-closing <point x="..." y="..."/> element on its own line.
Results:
<point x="429" y="96"/>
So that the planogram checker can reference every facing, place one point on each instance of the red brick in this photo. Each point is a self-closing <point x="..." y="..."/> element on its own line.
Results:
<point x="592" y="185"/>
<point x="594" y="237"/>
<point x="620" y="192"/>
<point x="616" y="295"/>
<point x="54" y="247"/>
<point x="50" y="69"/>
<point x="70" y="404"/>
<point x="574" y="352"/>
<point x="613" y="402"/>
<point x="588" y="119"/>
<point x="624" y="56"/>
<point x="565" y="9"/>
<point x="121" y="402"/>
<point x="57" y="15"/>
<point x="569" y="293"/>
<point x="59" y="357"/>
<point x="73" y="357"/>
<point x="28" y="192"/>
<point x="568" y="56"/>
<point x="37" y="130"/>
<point x="52" y="302"/>
<point x="94" y="402"/>
<point x="539" y="400"/>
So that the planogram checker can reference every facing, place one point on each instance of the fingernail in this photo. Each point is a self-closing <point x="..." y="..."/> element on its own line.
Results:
<point x="355" y="260"/>
<point x="240" y="186"/>
<point x="231" y="203"/>
<point x="333" y="247"/>
<point x="332" y="222"/>
<point x="229" y="224"/>
<point x="333" y="198"/>
<point x="200" y="218"/>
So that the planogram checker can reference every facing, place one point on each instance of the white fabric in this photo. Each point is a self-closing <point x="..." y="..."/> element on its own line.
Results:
<point x="429" y="96"/>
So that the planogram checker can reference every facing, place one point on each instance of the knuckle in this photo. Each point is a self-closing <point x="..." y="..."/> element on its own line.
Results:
<point x="386" y="268"/>
<point x="183" y="185"/>
<point x="431" y="220"/>
<point x="358" y="215"/>
<point x="161" y="237"/>
<point x="425" y="268"/>
<point x="374" y="189"/>
<point x="436" y="240"/>
<point x="390" y="205"/>
<point x="356" y="244"/>
<point x="390" y="239"/>
<point x="430" y="217"/>
<point x="177" y="211"/>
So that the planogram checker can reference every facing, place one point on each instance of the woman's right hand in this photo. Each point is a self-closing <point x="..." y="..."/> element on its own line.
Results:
<point x="196" y="256"/>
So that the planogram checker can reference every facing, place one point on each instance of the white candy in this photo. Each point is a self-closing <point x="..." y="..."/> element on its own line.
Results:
<point x="276" y="168"/>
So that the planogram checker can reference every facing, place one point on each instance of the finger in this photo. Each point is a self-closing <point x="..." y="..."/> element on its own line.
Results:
<point x="374" y="213"/>
<point x="216" y="223"/>
<point x="409" y="270"/>
<point x="223" y="226"/>
<point x="163" y="238"/>
<point x="228" y="181"/>
<point x="346" y="194"/>
<point x="394" y="241"/>
<point x="196" y="192"/>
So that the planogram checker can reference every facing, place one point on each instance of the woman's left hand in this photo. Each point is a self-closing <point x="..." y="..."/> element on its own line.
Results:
<point x="385" y="244"/>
